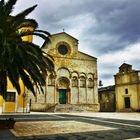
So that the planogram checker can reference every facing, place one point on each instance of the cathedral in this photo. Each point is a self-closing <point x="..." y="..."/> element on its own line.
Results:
<point x="74" y="82"/>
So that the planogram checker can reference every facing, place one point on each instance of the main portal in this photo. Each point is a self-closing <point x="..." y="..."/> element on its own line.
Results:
<point x="62" y="96"/>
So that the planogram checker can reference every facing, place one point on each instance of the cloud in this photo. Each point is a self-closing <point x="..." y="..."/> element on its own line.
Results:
<point x="109" y="63"/>
<point x="106" y="29"/>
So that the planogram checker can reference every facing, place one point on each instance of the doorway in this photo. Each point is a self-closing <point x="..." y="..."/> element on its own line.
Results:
<point x="62" y="96"/>
<point x="127" y="102"/>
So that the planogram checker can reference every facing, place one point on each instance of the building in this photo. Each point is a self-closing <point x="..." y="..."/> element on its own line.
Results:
<point x="107" y="99"/>
<point x="127" y="88"/>
<point x="15" y="102"/>
<point x="75" y="79"/>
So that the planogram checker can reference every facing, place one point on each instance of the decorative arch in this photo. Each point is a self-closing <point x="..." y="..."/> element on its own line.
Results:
<point x="75" y="73"/>
<point x="90" y="83"/>
<point x="74" y="81"/>
<point x="51" y="80"/>
<point x="90" y="75"/>
<point x="82" y="74"/>
<point x="63" y="72"/>
<point x="63" y="90"/>
<point x="82" y="81"/>
<point x="90" y="80"/>
<point x="63" y="83"/>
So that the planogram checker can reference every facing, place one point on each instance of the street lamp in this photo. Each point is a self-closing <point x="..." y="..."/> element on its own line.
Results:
<point x="24" y="96"/>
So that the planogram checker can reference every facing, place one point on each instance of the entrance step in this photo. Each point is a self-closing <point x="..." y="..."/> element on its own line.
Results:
<point x="126" y="110"/>
<point x="68" y="108"/>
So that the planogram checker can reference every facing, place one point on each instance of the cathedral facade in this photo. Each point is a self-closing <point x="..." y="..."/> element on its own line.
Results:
<point x="75" y="79"/>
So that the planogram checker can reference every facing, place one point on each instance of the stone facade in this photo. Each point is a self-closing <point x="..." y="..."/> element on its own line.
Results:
<point x="75" y="78"/>
<point x="107" y="99"/>
<point x="127" y="88"/>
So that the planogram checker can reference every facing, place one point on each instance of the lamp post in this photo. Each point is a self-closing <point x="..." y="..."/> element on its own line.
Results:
<point x="24" y="96"/>
<point x="100" y="83"/>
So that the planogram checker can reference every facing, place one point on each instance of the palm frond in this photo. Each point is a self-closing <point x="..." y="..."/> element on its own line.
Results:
<point x="26" y="23"/>
<point x="44" y="32"/>
<point x="3" y="83"/>
<point x="9" y="6"/>
<point x="21" y="59"/>
<point x="23" y="14"/>
<point x="22" y="34"/>
<point x="27" y="81"/>
<point x="2" y="2"/>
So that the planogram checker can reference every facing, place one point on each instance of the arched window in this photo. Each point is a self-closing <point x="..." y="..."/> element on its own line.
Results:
<point x="126" y="91"/>
<point x="74" y="82"/>
<point x="82" y="81"/>
<point x="90" y="83"/>
<point x="51" y="80"/>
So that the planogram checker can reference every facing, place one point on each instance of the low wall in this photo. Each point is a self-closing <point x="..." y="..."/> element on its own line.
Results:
<point x="43" y="107"/>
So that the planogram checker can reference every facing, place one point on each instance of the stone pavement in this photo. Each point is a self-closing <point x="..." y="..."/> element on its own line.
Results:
<point x="77" y="126"/>
<point x="6" y="134"/>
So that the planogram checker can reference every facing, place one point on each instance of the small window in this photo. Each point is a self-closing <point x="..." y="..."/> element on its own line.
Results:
<point x="90" y="83"/>
<point x="126" y="91"/>
<point x="51" y="80"/>
<point x="122" y="71"/>
<point x="74" y="82"/>
<point x="10" y="96"/>
<point x="82" y="82"/>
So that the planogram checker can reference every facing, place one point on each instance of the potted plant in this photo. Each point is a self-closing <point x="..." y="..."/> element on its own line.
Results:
<point x="7" y="123"/>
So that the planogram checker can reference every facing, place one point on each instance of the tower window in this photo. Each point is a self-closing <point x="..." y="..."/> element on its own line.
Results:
<point x="126" y="91"/>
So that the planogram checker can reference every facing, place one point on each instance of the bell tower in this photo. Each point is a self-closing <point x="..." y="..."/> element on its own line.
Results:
<point x="29" y="37"/>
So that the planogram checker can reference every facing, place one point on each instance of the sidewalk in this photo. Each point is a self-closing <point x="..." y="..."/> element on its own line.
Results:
<point x="5" y="134"/>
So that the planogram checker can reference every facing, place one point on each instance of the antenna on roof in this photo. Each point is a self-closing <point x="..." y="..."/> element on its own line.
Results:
<point x="63" y="29"/>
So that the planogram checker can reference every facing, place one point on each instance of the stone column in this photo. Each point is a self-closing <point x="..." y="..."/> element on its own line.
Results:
<point x="55" y="91"/>
<point x="86" y="88"/>
<point x="78" y="89"/>
<point x="95" y="92"/>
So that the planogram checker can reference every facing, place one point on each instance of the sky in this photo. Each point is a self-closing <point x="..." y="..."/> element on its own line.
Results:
<point x="106" y="29"/>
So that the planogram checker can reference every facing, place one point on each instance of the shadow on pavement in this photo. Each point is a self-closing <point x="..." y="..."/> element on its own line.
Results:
<point x="120" y="129"/>
<point x="6" y="134"/>
<point x="91" y="135"/>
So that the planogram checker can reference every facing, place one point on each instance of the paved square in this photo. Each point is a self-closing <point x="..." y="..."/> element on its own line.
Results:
<point x="81" y="126"/>
<point x="55" y="127"/>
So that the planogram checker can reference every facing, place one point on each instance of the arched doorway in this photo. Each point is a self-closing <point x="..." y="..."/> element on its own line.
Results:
<point x="63" y="90"/>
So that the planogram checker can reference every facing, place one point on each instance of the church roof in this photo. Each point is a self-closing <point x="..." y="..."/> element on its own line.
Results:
<point x="66" y="34"/>
<point x="80" y="55"/>
<point x="56" y="35"/>
<point x="108" y="88"/>
<point x="87" y="55"/>
<point x="125" y="65"/>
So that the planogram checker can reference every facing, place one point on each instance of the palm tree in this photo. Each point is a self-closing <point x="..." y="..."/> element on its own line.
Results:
<point x="18" y="58"/>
